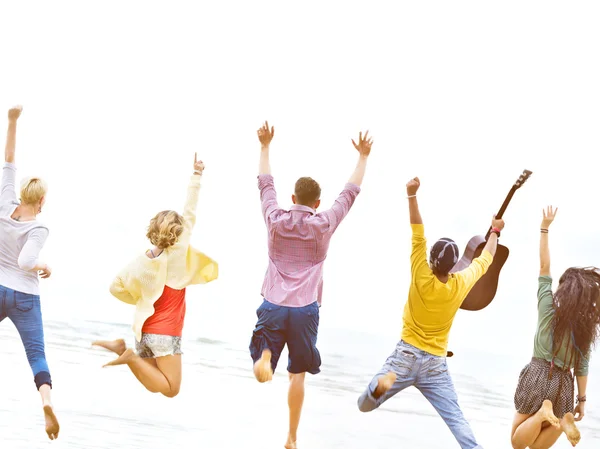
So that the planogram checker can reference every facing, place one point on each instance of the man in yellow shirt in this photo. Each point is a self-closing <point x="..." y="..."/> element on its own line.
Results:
<point x="434" y="297"/>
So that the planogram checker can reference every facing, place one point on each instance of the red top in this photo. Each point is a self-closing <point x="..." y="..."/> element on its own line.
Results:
<point x="169" y="313"/>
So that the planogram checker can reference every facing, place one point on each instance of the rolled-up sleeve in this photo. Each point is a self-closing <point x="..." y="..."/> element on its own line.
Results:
<point x="268" y="197"/>
<point x="341" y="206"/>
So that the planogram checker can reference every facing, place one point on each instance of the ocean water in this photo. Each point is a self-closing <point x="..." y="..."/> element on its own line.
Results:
<point x="222" y="406"/>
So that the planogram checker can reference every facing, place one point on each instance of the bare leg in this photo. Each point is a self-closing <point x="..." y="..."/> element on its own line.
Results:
<point x="263" y="371"/>
<point x="529" y="429"/>
<point x="547" y="438"/>
<point x="164" y="377"/>
<point x="52" y="427"/>
<point x="116" y="346"/>
<point x="295" y="402"/>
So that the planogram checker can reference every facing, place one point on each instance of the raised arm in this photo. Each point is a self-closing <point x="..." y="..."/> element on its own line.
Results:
<point x="547" y="220"/>
<point x="412" y="187"/>
<point x="11" y="134"/>
<point x="346" y="198"/>
<point x="266" y="185"/>
<point x="265" y="135"/>
<point x="191" y="201"/>
<point x="418" y="255"/>
<point x="8" y="191"/>
<point x="480" y="265"/>
<point x="364" y="150"/>
<point x="492" y="242"/>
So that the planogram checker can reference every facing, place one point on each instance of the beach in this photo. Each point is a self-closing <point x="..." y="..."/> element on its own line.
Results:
<point x="221" y="406"/>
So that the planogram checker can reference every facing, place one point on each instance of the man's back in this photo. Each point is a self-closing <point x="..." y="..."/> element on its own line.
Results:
<point x="298" y="243"/>
<point x="432" y="304"/>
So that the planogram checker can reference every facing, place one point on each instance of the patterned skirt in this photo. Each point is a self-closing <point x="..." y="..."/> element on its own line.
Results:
<point x="536" y="384"/>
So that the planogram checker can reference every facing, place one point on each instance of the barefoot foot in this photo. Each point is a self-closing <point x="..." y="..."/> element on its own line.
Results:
<point x="263" y="371"/>
<point x="570" y="429"/>
<point x="384" y="383"/>
<point x="123" y="359"/>
<point x="52" y="426"/>
<point x="116" y="346"/>
<point x="547" y="414"/>
<point x="291" y="443"/>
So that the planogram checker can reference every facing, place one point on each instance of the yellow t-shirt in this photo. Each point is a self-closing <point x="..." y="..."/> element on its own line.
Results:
<point x="432" y="305"/>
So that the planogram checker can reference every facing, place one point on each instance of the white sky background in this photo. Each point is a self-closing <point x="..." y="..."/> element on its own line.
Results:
<point x="465" y="95"/>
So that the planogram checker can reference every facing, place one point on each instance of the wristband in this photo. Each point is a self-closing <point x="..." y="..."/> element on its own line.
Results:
<point x="496" y="231"/>
<point x="581" y="399"/>
<point x="411" y="196"/>
<point x="544" y="231"/>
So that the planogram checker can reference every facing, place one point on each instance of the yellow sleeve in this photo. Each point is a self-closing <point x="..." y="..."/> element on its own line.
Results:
<point x="418" y="256"/>
<point x="476" y="270"/>
<point x="118" y="290"/>
<point x="191" y="202"/>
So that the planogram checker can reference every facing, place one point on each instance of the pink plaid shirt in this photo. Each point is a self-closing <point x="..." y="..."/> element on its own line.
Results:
<point x="298" y="244"/>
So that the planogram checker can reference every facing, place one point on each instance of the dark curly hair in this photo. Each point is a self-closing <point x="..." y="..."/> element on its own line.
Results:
<point x="577" y="312"/>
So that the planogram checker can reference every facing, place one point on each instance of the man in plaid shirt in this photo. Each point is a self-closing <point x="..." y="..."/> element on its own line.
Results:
<point x="298" y="243"/>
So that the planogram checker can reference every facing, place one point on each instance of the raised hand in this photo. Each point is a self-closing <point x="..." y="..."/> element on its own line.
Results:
<point x="497" y="223"/>
<point x="364" y="144"/>
<point x="198" y="165"/>
<point x="549" y="215"/>
<point x="412" y="186"/>
<point x="265" y="135"/>
<point x="14" y="113"/>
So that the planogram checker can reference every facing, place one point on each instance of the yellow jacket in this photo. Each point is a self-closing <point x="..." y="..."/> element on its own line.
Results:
<point x="142" y="281"/>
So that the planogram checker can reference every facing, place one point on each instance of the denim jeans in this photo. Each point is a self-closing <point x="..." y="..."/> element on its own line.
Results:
<point x="429" y="374"/>
<point x="25" y="312"/>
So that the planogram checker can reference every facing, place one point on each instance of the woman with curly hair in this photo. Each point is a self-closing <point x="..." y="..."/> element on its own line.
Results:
<point x="568" y="326"/>
<point x="155" y="283"/>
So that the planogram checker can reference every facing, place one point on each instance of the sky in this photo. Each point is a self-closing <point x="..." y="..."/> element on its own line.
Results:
<point x="118" y="96"/>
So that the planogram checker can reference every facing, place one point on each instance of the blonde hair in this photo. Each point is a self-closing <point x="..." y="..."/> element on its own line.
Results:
<point x="165" y="228"/>
<point x="33" y="190"/>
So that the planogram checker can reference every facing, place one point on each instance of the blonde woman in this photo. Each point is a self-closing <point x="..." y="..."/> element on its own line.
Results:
<point x="22" y="237"/>
<point x="155" y="282"/>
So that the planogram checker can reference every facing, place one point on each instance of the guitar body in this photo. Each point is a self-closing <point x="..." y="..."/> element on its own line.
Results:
<point x="484" y="290"/>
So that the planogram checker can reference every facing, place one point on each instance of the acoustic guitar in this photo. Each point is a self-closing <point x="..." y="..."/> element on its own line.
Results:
<point x="483" y="292"/>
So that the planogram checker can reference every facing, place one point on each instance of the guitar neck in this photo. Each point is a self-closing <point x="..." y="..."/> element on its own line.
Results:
<point x="503" y="208"/>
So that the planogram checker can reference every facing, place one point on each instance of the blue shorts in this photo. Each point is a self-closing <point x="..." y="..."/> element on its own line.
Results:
<point x="296" y="326"/>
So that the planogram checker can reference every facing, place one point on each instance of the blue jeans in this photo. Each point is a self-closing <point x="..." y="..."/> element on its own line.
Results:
<point x="429" y="374"/>
<point x="25" y="312"/>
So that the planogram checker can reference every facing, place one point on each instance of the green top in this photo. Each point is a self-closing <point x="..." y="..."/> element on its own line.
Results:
<point x="542" y="345"/>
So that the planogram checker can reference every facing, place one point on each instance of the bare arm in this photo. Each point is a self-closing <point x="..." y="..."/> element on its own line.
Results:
<point x="412" y="187"/>
<point x="11" y="135"/>
<point x="359" y="172"/>
<point x="581" y="385"/>
<point x="264" y="165"/>
<point x="265" y="135"/>
<point x="491" y="244"/>
<point x="364" y="150"/>
<point x="11" y="140"/>
<point x="413" y="210"/>
<point x="549" y="215"/>
<point x="581" y="389"/>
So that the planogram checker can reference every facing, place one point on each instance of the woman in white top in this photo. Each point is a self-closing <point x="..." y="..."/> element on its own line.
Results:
<point x="21" y="239"/>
